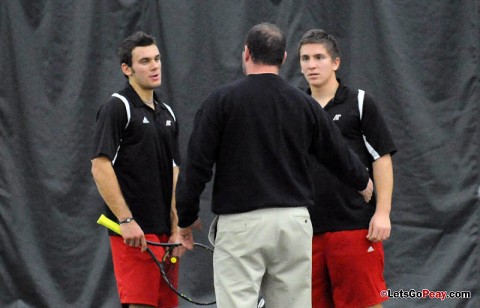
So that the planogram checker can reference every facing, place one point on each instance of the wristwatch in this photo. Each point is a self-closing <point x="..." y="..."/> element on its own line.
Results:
<point x="126" y="221"/>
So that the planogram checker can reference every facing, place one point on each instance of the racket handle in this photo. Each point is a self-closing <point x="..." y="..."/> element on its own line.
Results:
<point x="110" y="224"/>
<point x="115" y="227"/>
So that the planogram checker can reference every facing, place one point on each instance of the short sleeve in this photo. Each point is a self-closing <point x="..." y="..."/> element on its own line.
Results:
<point x="375" y="129"/>
<point x="110" y="126"/>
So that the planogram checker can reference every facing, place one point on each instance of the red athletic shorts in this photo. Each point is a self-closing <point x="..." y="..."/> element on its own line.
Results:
<point x="139" y="280"/>
<point x="347" y="270"/>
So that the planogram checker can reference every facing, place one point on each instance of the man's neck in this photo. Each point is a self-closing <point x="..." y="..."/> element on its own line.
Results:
<point x="150" y="103"/>
<point x="262" y="69"/>
<point x="325" y="93"/>
<point x="145" y="95"/>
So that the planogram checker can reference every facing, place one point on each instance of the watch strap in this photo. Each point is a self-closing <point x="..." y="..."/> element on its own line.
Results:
<point x="126" y="221"/>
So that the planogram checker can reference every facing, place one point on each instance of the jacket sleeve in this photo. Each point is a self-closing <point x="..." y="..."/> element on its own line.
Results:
<point x="197" y="169"/>
<point x="332" y="152"/>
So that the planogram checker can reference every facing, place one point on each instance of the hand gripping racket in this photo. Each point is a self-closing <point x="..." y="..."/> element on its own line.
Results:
<point x="190" y="284"/>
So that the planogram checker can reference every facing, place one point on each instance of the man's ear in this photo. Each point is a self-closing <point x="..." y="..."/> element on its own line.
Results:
<point x="336" y="64"/>
<point x="126" y="69"/>
<point x="284" y="57"/>
<point x="246" y="54"/>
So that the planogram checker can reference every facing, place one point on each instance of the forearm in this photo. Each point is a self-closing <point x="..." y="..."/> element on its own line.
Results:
<point x="196" y="172"/>
<point x="173" y="208"/>
<point x="346" y="165"/>
<point x="383" y="178"/>
<point x="108" y="187"/>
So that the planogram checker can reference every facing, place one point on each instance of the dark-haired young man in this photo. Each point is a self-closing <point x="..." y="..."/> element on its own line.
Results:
<point x="348" y="232"/>
<point x="135" y="166"/>
<point x="259" y="132"/>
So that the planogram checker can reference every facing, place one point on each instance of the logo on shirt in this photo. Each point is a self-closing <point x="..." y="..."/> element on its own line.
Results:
<point x="337" y="117"/>
<point x="370" y="249"/>
<point x="168" y="123"/>
<point x="145" y="120"/>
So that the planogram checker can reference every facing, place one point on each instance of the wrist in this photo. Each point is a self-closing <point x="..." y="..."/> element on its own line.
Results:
<point x="381" y="211"/>
<point x="126" y="220"/>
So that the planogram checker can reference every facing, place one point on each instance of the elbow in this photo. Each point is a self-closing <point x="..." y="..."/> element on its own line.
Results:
<point x="98" y="164"/>
<point x="94" y="168"/>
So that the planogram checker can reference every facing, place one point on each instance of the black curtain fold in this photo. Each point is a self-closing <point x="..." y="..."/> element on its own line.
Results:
<point x="419" y="59"/>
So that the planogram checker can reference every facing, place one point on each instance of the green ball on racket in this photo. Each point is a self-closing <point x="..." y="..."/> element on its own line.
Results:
<point x="173" y="260"/>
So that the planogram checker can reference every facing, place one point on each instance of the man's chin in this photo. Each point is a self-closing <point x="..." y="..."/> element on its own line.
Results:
<point x="315" y="83"/>
<point x="155" y="85"/>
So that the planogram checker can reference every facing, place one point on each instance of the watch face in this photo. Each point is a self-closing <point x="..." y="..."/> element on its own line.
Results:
<point x="126" y="221"/>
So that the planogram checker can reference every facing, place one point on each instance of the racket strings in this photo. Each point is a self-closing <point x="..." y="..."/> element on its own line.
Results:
<point x="191" y="275"/>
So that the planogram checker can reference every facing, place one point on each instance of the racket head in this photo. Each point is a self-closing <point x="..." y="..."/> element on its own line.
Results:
<point x="191" y="276"/>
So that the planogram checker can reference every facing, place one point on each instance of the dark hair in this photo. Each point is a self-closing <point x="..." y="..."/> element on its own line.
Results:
<point x="266" y="43"/>
<point x="319" y="36"/>
<point x="137" y="39"/>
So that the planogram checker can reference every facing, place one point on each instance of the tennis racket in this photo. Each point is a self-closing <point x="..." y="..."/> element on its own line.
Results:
<point x="192" y="284"/>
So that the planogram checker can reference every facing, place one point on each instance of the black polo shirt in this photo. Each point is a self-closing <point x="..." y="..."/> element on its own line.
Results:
<point x="338" y="206"/>
<point x="259" y="132"/>
<point x="142" y="144"/>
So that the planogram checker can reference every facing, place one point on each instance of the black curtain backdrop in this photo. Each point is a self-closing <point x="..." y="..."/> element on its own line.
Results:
<point x="419" y="59"/>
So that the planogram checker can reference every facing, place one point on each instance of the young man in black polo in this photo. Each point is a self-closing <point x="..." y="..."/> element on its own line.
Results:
<point x="348" y="232"/>
<point x="135" y="166"/>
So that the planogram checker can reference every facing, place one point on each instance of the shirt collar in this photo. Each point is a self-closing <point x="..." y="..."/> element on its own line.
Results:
<point x="135" y="98"/>
<point x="340" y="94"/>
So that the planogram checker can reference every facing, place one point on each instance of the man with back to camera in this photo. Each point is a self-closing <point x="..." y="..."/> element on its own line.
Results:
<point x="348" y="257"/>
<point x="135" y="166"/>
<point x="259" y="133"/>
